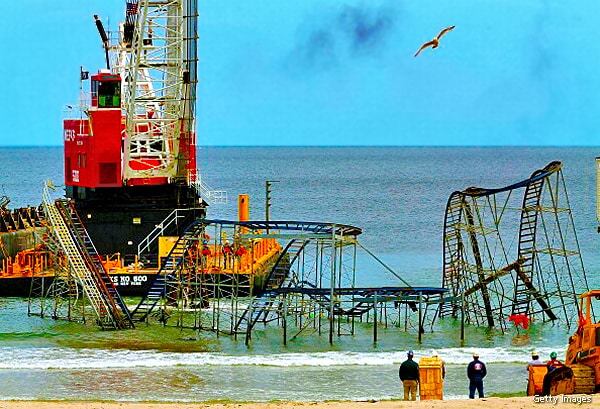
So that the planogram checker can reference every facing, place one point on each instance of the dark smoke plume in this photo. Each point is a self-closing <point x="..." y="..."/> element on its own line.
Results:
<point x="347" y="32"/>
<point x="365" y="30"/>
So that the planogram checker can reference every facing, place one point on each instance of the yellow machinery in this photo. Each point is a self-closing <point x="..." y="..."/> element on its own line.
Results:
<point x="581" y="373"/>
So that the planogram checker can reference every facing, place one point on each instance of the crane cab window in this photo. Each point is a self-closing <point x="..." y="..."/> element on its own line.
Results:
<point x="109" y="94"/>
<point x="106" y="92"/>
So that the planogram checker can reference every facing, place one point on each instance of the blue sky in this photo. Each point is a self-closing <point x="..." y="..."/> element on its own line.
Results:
<point x="322" y="72"/>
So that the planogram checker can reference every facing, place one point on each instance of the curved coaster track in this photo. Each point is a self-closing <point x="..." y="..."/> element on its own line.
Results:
<point x="512" y="254"/>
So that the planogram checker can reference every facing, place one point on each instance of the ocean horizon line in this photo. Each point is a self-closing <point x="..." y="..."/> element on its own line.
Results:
<point x="343" y="146"/>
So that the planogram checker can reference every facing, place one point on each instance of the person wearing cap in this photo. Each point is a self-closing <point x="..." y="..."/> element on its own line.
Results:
<point x="532" y="386"/>
<point x="535" y="360"/>
<point x="409" y="375"/>
<point x="476" y="371"/>
<point x="553" y="363"/>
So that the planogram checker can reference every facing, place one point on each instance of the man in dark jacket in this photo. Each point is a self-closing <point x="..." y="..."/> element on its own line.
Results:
<point x="409" y="375"/>
<point x="476" y="371"/>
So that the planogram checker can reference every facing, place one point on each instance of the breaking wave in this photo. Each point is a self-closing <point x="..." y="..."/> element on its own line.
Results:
<point x="67" y="358"/>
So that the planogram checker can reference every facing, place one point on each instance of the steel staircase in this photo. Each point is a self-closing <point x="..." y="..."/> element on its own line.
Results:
<point x="160" y="229"/>
<point x="88" y="251"/>
<point x="262" y="305"/>
<point x="361" y="307"/>
<point x="166" y="273"/>
<point x="324" y="301"/>
<point x="108" y="317"/>
<point x="281" y="270"/>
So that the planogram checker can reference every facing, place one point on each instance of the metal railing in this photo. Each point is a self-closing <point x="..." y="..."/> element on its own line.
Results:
<point x="159" y="230"/>
<point x="211" y="196"/>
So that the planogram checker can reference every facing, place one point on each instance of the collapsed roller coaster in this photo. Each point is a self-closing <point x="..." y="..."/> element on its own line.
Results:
<point x="511" y="257"/>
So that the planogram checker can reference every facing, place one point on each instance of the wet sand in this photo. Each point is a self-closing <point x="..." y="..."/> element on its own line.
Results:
<point x="490" y="403"/>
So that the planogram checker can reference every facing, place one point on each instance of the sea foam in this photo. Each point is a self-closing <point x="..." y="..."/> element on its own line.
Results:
<point x="67" y="358"/>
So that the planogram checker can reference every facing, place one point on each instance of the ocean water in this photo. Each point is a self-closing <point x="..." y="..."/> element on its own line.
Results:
<point x="397" y="195"/>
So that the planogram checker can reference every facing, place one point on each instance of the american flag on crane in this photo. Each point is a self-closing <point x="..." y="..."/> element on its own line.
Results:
<point x="132" y="9"/>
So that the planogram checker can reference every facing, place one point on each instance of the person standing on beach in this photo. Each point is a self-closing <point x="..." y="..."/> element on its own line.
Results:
<point x="409" y="375"/>
<point x="476" y="371"/>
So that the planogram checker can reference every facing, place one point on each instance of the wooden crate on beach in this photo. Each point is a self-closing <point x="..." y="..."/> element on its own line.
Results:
<point x="431" y="385"/>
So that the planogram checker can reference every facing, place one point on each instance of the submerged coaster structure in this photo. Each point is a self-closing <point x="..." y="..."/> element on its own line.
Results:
<point x="512" y="254"/>
<point x="308" y="286"/>
<point x="295" y="276"/>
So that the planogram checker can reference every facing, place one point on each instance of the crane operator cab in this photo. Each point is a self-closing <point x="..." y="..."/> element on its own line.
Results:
<point x="106" y="90"/>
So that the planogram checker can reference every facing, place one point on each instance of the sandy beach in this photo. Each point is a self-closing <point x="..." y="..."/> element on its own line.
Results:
<point x="490" y="403"/>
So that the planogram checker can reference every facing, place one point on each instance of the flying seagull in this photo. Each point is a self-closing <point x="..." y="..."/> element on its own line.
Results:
<point x="436" y="41"/>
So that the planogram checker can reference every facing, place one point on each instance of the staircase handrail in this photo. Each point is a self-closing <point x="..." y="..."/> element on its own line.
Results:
<point x="94" y="261"/>
<point x="208" y="194"/>
<point x="96" y="300"/>
<point x="159" y="230"/>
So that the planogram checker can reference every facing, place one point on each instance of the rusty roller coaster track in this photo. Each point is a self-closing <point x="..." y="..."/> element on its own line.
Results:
<point x="491" y="278"/>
